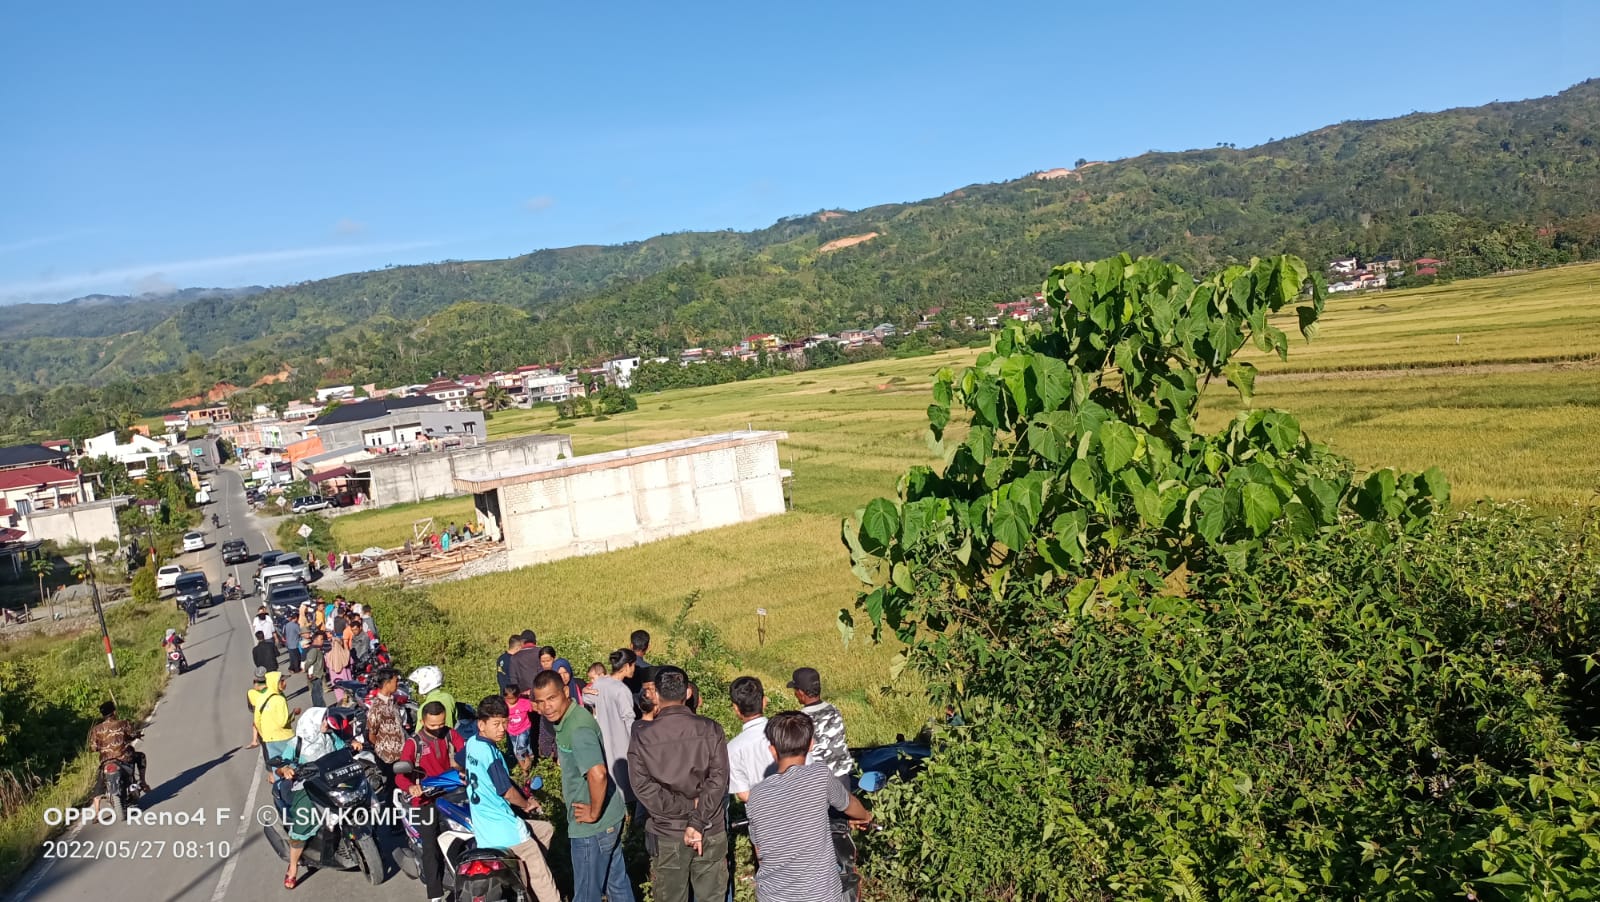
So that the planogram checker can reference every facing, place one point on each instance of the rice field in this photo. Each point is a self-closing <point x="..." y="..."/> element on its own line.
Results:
<point x="1499" y="428"/>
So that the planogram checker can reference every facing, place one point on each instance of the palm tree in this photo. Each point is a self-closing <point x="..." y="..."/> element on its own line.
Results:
<point x="495" y="397"/>
<point x="41" y="566"/>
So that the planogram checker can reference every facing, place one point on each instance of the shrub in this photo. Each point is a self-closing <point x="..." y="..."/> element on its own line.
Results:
<point x="144" y="585"/>
<point x="1219" y="666"/>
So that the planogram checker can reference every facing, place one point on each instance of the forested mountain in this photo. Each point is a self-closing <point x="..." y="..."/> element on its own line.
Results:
<point x="1486" y="188"/>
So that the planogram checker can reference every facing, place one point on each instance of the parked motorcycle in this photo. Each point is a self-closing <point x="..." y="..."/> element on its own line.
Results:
<point x="477" y="876"/>
<point x="122" y="785"/>
<point x="176" y="662"/>
<point x="338" y="783"/>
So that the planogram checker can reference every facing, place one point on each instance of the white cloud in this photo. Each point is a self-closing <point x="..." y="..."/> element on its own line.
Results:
<point x="538" y="203"/>
<point x="155" y="283"/>
<point x="348" y="226"/>
<point x="129" y="277"/>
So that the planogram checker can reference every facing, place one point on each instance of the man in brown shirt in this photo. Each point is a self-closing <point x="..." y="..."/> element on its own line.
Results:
<point x="112" y="739"/>
<point x="678" y="765"/>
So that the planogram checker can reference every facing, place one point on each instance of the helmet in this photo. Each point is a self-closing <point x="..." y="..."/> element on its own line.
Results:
<point x="427" y="678"/>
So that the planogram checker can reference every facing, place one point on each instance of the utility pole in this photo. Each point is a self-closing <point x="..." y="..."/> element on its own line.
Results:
<point x="94" y="589"/>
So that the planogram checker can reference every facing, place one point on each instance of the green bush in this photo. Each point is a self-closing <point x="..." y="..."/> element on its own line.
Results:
<point x="144" y="585"/>
<point x="1219" y="666"/>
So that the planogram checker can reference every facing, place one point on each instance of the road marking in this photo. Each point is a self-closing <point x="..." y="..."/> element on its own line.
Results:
<point x="245" y="820"/>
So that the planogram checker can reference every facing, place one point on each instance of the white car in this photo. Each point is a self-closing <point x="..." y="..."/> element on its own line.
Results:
<point x="194" y="541"/>
<point x="167" y="577"/>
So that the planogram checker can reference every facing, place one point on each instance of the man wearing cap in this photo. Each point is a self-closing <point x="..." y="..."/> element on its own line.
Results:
<point x="829" y="746"/>
<point x="264" y="623"/>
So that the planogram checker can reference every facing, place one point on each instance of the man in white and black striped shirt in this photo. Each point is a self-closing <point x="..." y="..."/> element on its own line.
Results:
<point x="788" y="814"/>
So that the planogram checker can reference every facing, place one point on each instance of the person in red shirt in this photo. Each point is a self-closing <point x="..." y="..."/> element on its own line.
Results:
<point x="433" y="750"/>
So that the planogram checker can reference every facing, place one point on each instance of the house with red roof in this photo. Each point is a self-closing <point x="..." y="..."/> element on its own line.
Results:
<point x="43" y="487"/>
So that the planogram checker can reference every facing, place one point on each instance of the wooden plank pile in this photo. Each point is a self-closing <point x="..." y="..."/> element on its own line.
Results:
<point x="423" y="561"/>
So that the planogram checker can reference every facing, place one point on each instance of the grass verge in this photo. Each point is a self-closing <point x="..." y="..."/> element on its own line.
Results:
<point x="57" y="683"/>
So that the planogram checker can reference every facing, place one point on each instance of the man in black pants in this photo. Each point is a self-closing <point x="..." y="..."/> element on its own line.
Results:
<point x="435" y="749"/>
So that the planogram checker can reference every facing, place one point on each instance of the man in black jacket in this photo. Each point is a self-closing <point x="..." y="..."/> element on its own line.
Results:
<point x="678" y="764"/>
<point x="265" y="652"/>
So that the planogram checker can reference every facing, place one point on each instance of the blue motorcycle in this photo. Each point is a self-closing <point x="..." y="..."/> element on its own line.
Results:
<point x="469" y="872"/>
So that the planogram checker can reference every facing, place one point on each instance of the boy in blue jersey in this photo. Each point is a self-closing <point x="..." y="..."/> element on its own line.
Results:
<point x="492" y="796"/>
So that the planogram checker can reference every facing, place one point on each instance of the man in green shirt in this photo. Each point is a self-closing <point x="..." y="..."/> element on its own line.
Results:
<point x="594" y="804"/>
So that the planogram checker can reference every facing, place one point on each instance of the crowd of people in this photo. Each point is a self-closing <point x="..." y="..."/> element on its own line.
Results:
<point x="633" y="752"/>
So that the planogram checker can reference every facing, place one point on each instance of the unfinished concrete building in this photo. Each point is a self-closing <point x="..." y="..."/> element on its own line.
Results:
<point x="601" y="502"/>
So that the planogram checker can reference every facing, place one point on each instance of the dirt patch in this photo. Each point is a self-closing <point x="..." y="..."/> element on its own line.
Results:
<point x="1057" y="173"/>
<point x="826" y="215"/>
<point x="842" y="243"/>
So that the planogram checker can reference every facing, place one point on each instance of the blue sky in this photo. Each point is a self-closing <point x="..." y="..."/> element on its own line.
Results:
<point x="149" y="145"/>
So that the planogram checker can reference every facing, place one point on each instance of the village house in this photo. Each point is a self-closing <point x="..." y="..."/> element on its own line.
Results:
<point x="549" y="388"/>
<point x="335" y="393"/>
<point x="1344" y="266"/>
<point x="452" y="393"/>
<point x="206" y="416"/>
<point x="619" y="371"/>
<point x="141" y="455"/>
<point x="18" y="457"/>
<point x="26" y="490"/>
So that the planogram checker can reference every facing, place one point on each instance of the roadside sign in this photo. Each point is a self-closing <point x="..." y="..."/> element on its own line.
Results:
<point x="282" y="501"/>
<point x="304" y="531"/>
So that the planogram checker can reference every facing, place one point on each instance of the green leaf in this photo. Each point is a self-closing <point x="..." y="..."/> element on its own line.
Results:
<point x="941" y="389"/>
<point x="938" y="418"/>
<point x="1261" y="507"/>
<point x="846" y="626"/>
<point x="1082" y="477"/>
<point x="1071" y="531"/>
<point x="1213" y="520"/>
<point x="1504" y="878"/>
<point x="1283" y="431"/>
<point x="901" y="576"/>
<point x="1438" y="486"/>
<point x="1146" y="500"/>
<point x="1052" y="381"/>
<point x="880" y="522"/>
<point x="1011" y="526"/>
<point x="1117" y="443"/>
<point x="1049" y="436"/>
<point x="1300" y="519"/>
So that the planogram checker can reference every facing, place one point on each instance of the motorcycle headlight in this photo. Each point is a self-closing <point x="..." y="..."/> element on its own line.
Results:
<point x="346" y="796"/>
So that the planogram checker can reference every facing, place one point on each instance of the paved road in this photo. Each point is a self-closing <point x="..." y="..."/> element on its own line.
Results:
<point x="196" y="744"/>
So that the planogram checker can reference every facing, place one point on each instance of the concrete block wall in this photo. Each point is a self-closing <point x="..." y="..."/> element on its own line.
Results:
<point x="590" y="511"/>
<point x="418" y="477"/>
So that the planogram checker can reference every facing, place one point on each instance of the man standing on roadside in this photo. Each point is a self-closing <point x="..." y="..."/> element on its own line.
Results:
<point x="291" y="641"/>
<point x="525" y="665"/>
<point x="314" y="669"/>
<point x="502" y="665"/>
<point x="264" y="654"/>
<point x="384" y="729"/>
<point x="749" y="759"/>
<point x="274" y="721"/>
<point x="595" y="807"/>
<point x="613" y="711"/>
<point x="790" y="819"/>
<point x="264" y="623"/>
<point x="678" y="765"/>
<point x="829" y="746"/>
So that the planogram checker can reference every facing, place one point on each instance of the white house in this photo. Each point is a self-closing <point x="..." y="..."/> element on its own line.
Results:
<point x="1345" y="266"/>
<point x="619" y="371"/>
<point x="139" y="455"/>
<point x="452" y="393"/>
<point x="340" y="392"/>
<point x="547" y="389"/>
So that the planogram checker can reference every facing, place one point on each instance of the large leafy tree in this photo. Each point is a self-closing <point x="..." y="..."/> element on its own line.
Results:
<point x="1217" y="665"/>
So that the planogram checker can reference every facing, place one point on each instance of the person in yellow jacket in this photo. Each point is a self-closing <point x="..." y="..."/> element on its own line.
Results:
<point x="274" y="721"/>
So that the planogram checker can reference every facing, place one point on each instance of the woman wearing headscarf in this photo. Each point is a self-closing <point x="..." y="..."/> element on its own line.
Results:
<point x="336" y="658"/>
<point x="574" y="685"/>
<point x="312" y="742"/>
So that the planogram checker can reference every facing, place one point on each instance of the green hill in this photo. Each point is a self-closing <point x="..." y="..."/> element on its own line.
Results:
<point x="1506" y="185"/>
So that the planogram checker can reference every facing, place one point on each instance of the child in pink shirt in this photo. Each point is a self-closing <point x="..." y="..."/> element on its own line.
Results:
<point x="519" y="727"/>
